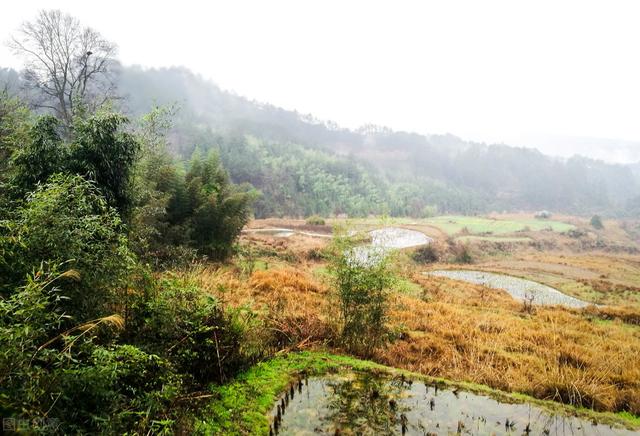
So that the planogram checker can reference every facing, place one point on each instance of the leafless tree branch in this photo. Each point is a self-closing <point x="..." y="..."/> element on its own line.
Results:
<point x="67" y="65"/>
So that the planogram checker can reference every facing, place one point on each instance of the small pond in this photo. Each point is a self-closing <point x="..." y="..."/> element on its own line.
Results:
<point x="395" y="237"/>
<point x="386" y="239"/>
<point x="277" y="232"/>
<point x="518" y="288"/>
<point x="362" y="403"/>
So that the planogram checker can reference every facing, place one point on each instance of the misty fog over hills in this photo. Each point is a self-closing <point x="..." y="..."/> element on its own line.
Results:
<point x="606" y="149"/>
<point x="439" y="170"/>
<point x="303" y="165"/>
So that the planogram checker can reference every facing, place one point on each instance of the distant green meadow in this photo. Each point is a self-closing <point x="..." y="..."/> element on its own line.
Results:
<point x="453" y="224"/>
<point x="472" y="225"/>
<point x="506" y="239"/>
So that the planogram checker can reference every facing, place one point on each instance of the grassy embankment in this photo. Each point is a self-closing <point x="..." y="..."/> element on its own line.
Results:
<point x="243" y="406"/>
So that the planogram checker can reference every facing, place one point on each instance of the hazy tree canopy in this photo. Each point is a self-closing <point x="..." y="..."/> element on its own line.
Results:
<point x="67" y="66"/>
<point x="305" y="167"/>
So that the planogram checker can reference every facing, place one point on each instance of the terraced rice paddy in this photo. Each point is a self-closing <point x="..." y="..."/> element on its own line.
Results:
<point x="371" y="404"/>
<point x="520" y="289"/>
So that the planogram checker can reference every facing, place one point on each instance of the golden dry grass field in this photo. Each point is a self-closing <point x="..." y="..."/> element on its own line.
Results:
<point x="586" y="357"/>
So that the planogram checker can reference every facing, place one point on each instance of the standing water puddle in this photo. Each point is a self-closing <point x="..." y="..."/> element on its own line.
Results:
<point x="518" y="288"/>
<point x="371" y="404"/>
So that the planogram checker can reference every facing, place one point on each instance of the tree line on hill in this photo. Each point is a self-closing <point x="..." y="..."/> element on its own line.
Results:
<point x="289" y="156"/>
<point x="302" y="167"/>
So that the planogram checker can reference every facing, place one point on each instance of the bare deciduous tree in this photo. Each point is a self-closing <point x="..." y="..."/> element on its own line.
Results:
<point x="66" y="64"/>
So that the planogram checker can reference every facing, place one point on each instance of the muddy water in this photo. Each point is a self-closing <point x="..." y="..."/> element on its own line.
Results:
<point x="518" y="288"/>
<point x="368" y="404"/>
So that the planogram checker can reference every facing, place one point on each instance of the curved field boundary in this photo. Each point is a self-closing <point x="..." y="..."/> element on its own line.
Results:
<point x="520" y="289"/>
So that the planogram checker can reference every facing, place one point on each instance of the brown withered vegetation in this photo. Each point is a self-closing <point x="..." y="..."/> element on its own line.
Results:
<point x="297" y="307"/>
<point x="467" y="332"/>
<point x="585" y="357"/>
<point x="551" y="354"/>
<point x="293" y="306"/>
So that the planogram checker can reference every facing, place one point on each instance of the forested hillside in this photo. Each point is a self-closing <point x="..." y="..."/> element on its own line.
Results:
<point x="293" y="158"/>
<point x="303" y="166"/>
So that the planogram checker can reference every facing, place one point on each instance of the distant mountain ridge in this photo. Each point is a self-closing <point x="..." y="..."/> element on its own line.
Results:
<point x="297" y="161"/>
<point x="497" y="176"/>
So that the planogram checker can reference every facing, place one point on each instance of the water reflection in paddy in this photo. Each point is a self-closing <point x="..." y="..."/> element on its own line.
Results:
<point x="368" y="404"/>
<point x="384" y="240"/>
<point x="518" y="288"/>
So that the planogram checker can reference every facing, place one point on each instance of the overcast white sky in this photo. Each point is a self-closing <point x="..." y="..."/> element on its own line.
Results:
<point x="504" y="71"/>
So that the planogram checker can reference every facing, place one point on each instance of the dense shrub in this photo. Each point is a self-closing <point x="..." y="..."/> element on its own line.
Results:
<point x="199" y="209"/>
<point x="75" y="376"/>
<point x="41" y="155"/>
<point x="67" y="220"/>
<point x="110" y="376"/>
<point x="103" y="152"/>
<point x="99" y="150"/>
<point x="362" y="287"/>
<point x="427" y="254"/>
<point x="177" y="320"/>
<point x="462" y="254"/>
<point x="106" y="347"/>
<point x="115" y="389"/>
<point x="596" y="222"/>
<point x="576" y="233"/>
<point x="315" y="220"/>
<point x="13" y="133"/>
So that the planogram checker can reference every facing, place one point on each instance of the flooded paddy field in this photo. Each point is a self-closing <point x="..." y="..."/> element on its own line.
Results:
<point x="366" y="403"/>
<point x="398" y="238"/>
<point x="386" y="239"/>
<point x="285" y="232"/>
<point x="519" y="289"/>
